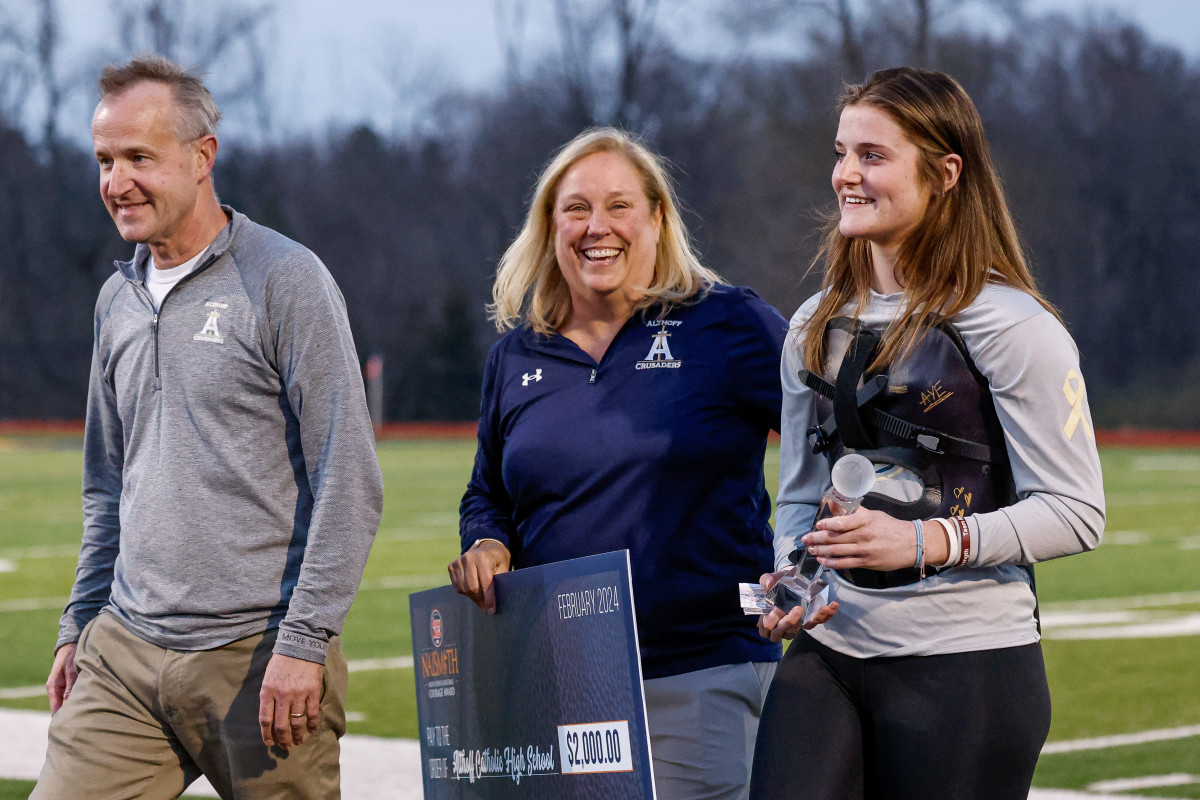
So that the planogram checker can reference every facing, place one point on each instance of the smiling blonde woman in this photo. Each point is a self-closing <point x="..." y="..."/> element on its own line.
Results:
<point x="628" y="408"/>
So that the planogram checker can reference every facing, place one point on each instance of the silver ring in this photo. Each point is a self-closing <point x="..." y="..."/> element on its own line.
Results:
<point x="297" y="716"/>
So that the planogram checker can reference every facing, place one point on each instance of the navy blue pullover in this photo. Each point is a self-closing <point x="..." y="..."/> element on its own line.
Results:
<point x="657" y="449"/>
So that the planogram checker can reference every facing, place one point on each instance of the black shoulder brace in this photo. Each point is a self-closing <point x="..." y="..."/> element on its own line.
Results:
<point x="929" y="415"/>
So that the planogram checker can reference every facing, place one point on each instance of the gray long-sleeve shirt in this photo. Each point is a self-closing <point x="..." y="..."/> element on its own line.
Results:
<point x="230" y="481"/>
<point x="1032" y="368"/>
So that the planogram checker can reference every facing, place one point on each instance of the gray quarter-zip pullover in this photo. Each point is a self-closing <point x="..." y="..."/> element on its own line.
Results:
<point x="230" y="481"/>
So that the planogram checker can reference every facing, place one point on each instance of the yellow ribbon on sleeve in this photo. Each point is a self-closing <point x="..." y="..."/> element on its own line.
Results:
<point x="1074" y="395"/>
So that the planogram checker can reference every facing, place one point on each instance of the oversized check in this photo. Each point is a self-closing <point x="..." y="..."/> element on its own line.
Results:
<point x="542" y="700"/>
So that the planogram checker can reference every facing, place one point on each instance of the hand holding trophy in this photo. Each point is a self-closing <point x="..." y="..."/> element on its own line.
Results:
<point x="852" y="476"/>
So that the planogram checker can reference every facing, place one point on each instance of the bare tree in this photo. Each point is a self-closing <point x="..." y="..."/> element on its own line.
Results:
<point x="923" y="20"/>
<point x="813" y="17"/>
<point x="635" y="31"/>
<point x="158" y="20"/>
<point x="206" y="34"/>
<point x="894" y="31"/>
<point x="47" y="68"/>
<point x="15" y="70"/>
<point x="598" y="92"/>
<point x="575" y="31"/>
<point x="408" y="89"/>
<point x="510" y="31"/>
<point x="29" y="67"/>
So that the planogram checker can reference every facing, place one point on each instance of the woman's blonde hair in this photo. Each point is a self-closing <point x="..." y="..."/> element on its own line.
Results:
<point x="965" y="241"/>
<point x="529" y="287"/>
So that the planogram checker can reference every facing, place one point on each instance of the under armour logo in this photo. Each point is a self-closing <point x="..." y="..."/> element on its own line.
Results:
<point x="535" y="377"/>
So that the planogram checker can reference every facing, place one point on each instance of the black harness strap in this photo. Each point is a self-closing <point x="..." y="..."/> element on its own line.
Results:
<point x="925" y="438"/>
<point x="975" y="462"/>
<point x="850" y="424"/>
<point x="823" y="434"/>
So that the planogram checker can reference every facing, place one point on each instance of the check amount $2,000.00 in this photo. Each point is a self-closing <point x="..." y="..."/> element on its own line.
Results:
<point x="595" y="747"/>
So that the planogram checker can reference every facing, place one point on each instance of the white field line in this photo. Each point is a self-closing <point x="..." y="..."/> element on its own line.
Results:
<point x="1137" y="538"/>
<point x="440" y="579"/>
<point x="1148" y="782"/>
<point x="1166" y="463"/>
<point x="1108" y="790"/>
<point x="1181" y="626"/>
<point x="1120" y="740"/>
<point x="1182" y="496"/>
<point x="373" y="768"/>
<point x="405" y="582"/>
<point x="33" y="604"/>
<point x="1122" y="617"/>
<point x="388" y="582"/>
<point x="444" y="519"/>
<point x="1071" y="794"/>
<point x="413" y="534"/>
<point x="39" y="551"/>
<point x="375" y="664"/>
<point x="358" y="665"/>
<point x="1127" y="537"/>
<point x="1124" y="603"/>
<point x="1063" y="619"/>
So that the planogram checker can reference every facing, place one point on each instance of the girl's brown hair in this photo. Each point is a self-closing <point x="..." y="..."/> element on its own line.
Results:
<point x="966" y="240"/>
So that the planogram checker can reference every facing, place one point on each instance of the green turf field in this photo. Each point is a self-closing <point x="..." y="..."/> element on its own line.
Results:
<point x="1141" y="590"/>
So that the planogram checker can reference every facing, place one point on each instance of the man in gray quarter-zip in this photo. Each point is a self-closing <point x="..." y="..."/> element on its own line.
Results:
<point x="230" y="487"/>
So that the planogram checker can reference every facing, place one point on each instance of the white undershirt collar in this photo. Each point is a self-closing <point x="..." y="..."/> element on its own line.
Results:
<point x="160" y="281"/>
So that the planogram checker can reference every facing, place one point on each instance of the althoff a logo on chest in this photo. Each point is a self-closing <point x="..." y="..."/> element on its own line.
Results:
<point x="210" y="331"/>
<point x="660" y="355"/>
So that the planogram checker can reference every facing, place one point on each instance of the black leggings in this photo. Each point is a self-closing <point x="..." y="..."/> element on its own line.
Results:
<point x="967" y="726"/>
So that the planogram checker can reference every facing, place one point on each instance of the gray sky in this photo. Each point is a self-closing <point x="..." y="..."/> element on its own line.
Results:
<point x="339" y="63"/>
<point x="456" y="43"/>
<point x="1175" y="22"/>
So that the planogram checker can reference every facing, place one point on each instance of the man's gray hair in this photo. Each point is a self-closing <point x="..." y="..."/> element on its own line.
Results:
<point x="198" y="114"/>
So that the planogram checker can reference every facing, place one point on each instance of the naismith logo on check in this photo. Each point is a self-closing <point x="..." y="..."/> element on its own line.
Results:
<point x="439" y="666"/>
<point x="435" y="628"/>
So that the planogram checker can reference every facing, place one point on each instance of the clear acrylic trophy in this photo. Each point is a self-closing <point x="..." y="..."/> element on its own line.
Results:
<point x="853" y="476"/>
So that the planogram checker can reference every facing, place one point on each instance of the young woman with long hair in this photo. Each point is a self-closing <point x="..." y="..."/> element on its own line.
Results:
<point x="929" y="350"/>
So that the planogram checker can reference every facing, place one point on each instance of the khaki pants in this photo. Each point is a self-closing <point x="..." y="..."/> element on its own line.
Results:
<point x="703" y="726"/>
<point x="144" y="722"/>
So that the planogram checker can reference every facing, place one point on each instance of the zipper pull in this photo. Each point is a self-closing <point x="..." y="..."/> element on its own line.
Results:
<point x="593" y="378"/>
<point x="154" y="323"/>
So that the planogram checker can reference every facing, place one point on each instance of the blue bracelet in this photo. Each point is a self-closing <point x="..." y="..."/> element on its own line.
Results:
<point x="920" y="562"/>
